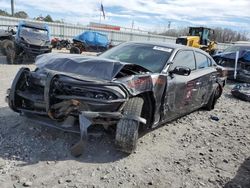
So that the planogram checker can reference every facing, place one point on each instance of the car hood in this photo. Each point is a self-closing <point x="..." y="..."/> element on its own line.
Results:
<point x="93" y="67"/>
<point x="34" y="41"/>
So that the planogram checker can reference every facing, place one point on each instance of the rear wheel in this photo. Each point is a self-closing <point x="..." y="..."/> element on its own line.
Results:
<point x="9" y="50"/>
<point x="127" y="129"/>
<point x="68" y="46"/>
<point x="74" y="50"/>
<point x="213" y="98"/>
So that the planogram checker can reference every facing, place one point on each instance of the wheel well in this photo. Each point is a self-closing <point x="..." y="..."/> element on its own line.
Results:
<point x="221" y="89"/>
<point x="148" y="107"/>
<point x="5" y="38"/>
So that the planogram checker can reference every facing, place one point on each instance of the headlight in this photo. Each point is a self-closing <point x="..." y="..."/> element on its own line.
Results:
<point x="88" y="92"/>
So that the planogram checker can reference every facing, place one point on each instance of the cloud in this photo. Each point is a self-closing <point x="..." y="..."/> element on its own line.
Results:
<point x="146" y="13"/>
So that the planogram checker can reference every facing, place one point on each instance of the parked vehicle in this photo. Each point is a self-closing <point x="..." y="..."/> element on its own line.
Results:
<point x="30" y="40"/>
<point x="90" y="41"/>
<point x="134" y="84"/>
<point x="54" y="42"/>
<point x="199" y="37"/>
<point x="61" y="43"/>
<point x="227" y="59"/>
<point x="6" y="43"/>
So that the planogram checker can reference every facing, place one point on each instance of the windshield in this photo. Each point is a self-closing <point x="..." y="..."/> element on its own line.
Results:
<point x="232" y="49"/>
<point x="149" y="56"/>
<point x="34" y="32"/>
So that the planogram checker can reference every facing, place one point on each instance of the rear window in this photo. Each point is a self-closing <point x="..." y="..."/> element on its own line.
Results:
<point x="202" y="60"/>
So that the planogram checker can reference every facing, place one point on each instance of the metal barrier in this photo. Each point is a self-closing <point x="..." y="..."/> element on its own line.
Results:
<point x="68" y="31"/>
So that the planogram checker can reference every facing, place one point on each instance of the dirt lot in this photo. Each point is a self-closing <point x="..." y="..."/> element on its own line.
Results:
<point x="193" y="151"/>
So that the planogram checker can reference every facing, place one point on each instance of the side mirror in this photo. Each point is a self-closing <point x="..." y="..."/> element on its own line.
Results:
<point x="184" y="71"/>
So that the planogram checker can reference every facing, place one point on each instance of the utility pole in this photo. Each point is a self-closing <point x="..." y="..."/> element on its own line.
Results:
<point x="169" y="24"/>
<point x="12" y="7"/>
<point x="132" y="26"/>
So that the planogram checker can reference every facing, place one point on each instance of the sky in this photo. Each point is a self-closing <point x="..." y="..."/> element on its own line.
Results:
<point x="150" y="15"/>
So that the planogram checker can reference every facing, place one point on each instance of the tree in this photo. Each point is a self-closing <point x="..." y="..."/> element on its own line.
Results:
<point x="21" y="14"/>
<point x="4" y="13"/>
<point x="48" y="18"/>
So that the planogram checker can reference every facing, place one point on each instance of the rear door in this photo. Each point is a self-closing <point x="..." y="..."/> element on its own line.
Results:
<point x="206" y="77"/>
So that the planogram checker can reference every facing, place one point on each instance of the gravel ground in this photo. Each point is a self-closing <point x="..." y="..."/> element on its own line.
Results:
<point x="193" y="151"/>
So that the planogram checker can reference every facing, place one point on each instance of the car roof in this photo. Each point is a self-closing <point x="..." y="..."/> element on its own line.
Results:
<point x="168" y="45"/>
<point x="242" y="45"/>
<point x="35" y="25"/>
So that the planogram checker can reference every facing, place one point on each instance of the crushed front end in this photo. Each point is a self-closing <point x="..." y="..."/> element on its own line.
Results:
<point x="64" y="102"/>
<point x="58" y="96"/>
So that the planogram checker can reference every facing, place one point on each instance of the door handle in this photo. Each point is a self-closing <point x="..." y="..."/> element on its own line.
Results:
<point x="198" y="83"/>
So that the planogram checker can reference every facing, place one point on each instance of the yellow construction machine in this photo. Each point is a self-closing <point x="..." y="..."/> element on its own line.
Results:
<point x="199" y="37"/>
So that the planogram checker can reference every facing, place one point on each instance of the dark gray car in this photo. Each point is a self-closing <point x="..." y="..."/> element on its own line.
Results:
<point x="134" y="84"/>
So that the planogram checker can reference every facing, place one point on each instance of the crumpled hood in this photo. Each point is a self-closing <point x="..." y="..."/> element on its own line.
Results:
<point x="34" y="38"/>
<point x="35" y="41"/>
<point x="94" y="67"/>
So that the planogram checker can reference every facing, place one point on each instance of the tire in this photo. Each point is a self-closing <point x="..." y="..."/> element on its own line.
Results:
<point x="213" y="98"/>
<point x="74" y="50"/>
<point x="127" y="129"/>
<point x="9" y="50"/>
<point x="68" y="47"/>
<point x="58" y="47"/>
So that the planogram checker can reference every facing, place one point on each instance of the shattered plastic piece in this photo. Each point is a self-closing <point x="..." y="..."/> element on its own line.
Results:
<point x="78" y="148"/>
<point x="215" y="118"/>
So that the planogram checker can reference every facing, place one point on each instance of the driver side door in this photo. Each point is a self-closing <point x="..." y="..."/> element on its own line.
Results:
<point x="181" y="90"/>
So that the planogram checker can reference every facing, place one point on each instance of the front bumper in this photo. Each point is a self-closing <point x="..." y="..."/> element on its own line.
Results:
<point x="38" y="97"/>
<point x="37" y="106"/>
<point x="34" y="50"/>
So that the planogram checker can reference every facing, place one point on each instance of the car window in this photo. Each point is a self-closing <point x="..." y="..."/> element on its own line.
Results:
<point x="209" y="62"/>
<point x="149" y="56"/>
<point x="201" y="60"/>
<point x="184" y="58"/>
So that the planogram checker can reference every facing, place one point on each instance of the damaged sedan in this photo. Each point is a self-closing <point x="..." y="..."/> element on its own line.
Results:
<point x="237" y="65"/>
<point x="131" y="86"/>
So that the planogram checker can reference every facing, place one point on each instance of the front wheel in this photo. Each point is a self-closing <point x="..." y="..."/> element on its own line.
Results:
<point x="9" y="51"/>
<point x="127" y="129"/>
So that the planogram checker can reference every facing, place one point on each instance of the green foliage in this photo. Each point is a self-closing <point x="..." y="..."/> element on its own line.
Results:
<point x="4" y="13"/>
<point x="21" y="14"/>
<point x="48" y="18"/>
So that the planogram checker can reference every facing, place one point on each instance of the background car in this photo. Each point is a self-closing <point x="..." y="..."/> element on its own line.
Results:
<point x="227" y="60"/>
<point x="89" y="41"/>
<point x="134" y="84"/>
